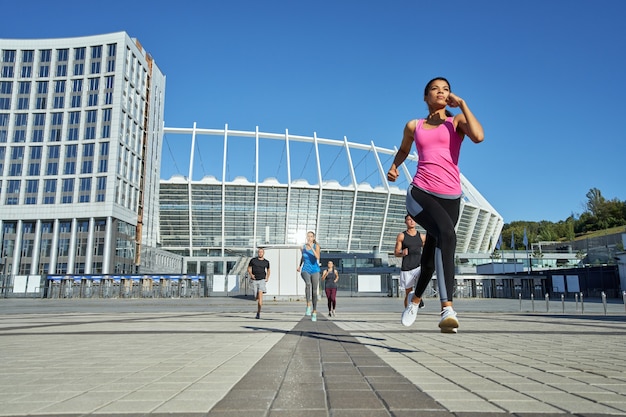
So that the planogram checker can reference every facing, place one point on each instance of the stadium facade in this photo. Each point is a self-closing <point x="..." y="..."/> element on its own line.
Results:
<point x="250" y="195"/>
<point x="81" y="128"/>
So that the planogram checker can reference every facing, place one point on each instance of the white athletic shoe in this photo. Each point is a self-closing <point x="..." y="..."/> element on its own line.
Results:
<point x="410" y="312"/>
<point x="448" y="322"/>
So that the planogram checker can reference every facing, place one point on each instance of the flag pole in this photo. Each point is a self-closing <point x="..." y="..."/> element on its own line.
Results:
<point x="526" y="246"/>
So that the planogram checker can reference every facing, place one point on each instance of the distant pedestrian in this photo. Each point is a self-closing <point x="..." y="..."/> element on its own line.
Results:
<point x="330" y="276"/>
<point x="434" y="196"/>
<point x="310" y="271"/>
<point x="259" y="273"/>
<point x="409" y="247"/>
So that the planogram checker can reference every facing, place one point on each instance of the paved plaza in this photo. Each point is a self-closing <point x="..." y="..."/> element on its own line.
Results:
<point x="210" y="357"/>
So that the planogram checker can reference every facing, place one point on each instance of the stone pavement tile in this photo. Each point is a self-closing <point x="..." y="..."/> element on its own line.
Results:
<point x="298" y="398"/>
<point x="185" y="414"/>
<point x="249" y="399"/>
<point x="300" y="413"/>
<point x="429" y="413"/>
<point x="408" y="399"/>
<point x="354" y="400"/>
<point x="134" y="407"/>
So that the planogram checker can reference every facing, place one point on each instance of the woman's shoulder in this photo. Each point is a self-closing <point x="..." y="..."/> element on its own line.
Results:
<point x="411" y="124"/>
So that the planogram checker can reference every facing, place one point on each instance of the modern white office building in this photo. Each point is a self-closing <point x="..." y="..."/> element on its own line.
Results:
<point x="81" y="129"/>
<point x="250" y="189"/>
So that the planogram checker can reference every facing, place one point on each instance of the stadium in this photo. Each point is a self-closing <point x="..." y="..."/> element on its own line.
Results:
<point x="249" y="189"/>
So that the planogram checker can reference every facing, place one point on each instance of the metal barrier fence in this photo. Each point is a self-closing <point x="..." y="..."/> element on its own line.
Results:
<point x="183" y="286"/>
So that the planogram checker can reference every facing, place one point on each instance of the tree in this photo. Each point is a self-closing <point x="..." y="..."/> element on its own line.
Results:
<point x="599" y="214"/>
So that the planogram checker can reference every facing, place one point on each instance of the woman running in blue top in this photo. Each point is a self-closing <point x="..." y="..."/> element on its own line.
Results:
<point x="310" y="271"/>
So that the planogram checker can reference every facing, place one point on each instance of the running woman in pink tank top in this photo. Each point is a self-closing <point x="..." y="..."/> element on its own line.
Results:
<point x="434" y="196"/>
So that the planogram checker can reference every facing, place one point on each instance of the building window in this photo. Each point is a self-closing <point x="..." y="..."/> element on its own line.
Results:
<point x="63" y="55"/>
<point x="42" y="87"/>
<point x="6" y="87"/>
<point x="22" y="103"/>
<point x="88" y="150"/>
<point x="33" y="168"/>
<point x="56" y="126"/>
<point x="79" y="54"/>
<point x="67" y="190"/>
<point x="61" y="70"/>
<point x="7" y="71"/>
<point x="17" y="153"/>
<point x="87" y="167"/>
<point x="13" y="192"/>
<point x="59" y="102"/>
<point x="32" y="187"/>
<point x="50" y="189"/>
<point x="44" y="62"/>
<point x="4" y="127"/>
<point x="59" y="87"/>
<point x="84" y="190"/>
<point x="27" y="71"/>
<point x="90" y="132"/>
<point x="27" y="61"/>
<point x="70" y="168"/>
<point x="75" y="101"/>
<point x="101" y="189"/>
<point x="71" y="151"/>
<point x="21" y="121"/>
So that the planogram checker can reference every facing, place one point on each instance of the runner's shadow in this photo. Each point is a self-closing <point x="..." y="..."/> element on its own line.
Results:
<point x="340" y="338"/>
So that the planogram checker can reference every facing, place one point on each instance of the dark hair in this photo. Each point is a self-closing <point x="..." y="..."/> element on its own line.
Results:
<point x="448" y="113"/>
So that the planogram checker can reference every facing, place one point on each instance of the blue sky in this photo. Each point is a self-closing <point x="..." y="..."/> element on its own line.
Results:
<point x="545" y="78"/>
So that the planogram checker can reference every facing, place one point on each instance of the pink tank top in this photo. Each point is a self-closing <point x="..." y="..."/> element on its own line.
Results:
<point x="438" y="152"/>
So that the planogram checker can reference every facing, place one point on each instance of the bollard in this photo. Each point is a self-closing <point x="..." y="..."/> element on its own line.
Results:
<point x="563" y="303"/>
<point x="604" y="301"/>
<point x="582" y="304"/>
<point x="624" y="298"/>
<point x="547" y="303"/>
<point x="520" y="301"/>
<point x="576" y="298"/>
<point x="532" y="301"/>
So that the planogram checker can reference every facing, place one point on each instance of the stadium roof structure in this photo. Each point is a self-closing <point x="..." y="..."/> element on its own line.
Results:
<point x="247" y="189"/>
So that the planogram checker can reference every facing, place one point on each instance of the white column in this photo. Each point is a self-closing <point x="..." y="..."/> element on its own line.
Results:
<point x="71" y="256"/>
<point x="89" y="254"/>
<point x="288" y="186"/>
<point x="189" y="197"/>
<point x="319" y="180"/>
<point x="223" y="190"/>
<point x="34" y="268"/>
<point x="106" y="261"/>
<point x="356" y="192"/>
<point x="256" y="188"/>
<point x="52" y="268"/>
<point x="17" y="253"/>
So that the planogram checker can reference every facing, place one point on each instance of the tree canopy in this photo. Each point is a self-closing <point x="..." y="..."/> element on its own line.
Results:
<point x="599" y="214"/>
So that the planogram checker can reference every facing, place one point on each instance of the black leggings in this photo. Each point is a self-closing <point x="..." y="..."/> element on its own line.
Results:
<point x="438" y="216"/>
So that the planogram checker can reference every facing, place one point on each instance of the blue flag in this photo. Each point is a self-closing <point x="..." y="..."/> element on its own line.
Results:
<point x="499" y="242"/>
<point x="525" y="239"/>
<point x="513" y="240"/>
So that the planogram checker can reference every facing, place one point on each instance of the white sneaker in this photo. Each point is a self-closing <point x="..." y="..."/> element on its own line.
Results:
<point x="448" y="330"/>
<point x="410" y="312"/>
<point x="448" y="322"/>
